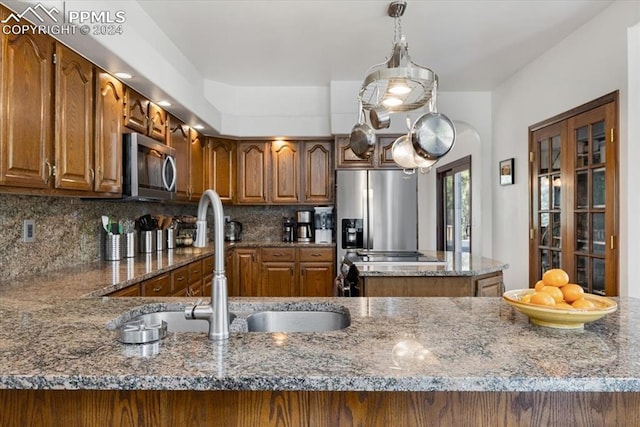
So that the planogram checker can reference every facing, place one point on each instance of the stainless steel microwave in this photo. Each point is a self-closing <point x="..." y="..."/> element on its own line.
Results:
<point x="149" y="169"/>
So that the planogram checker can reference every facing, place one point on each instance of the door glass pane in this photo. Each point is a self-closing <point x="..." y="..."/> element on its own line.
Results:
<point x="598" y="188"/>
<point x="555" y="259"/>
<point x="598" y="144"/>
<point x="582" y="232"/>
<point x="598" y="233"/>
<point x="544" y="261"/>
<point x="557" y="188"/>
<point x="582" y="189"/>
<point x="556" y="239"/>
<point x="543" y="185"/>
<point x="582" y="147"/>
<point x="544" y="229"/>
<point x="555" y="153"/>
<point x="544" y="156"/>
<point x="465" y="209"/>
<point x="582" y="268"/>
<point x="449" y="212"/>
<point x="598" y="276"/>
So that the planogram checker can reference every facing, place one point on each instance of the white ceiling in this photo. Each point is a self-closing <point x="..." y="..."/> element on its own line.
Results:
<point x="471" y="45"/>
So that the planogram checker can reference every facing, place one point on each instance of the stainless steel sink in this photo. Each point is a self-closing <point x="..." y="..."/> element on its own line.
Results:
<point x="176" y="321"/>
<point x="297" y="321"/>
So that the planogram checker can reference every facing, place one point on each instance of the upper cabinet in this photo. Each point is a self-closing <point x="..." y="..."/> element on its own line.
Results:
<point x="108" y="139"/>
<point x="26" y="136"/>
<point x="221" y="163"/>
<point x="284" y="172"/>
<point x="50" y="139"/>
<point x="74" y="148"/>
<point x="190" y="160"/>
<point x="380" y="158"/>
<point x="157" y="128"/>
<point x="143" y="116"/>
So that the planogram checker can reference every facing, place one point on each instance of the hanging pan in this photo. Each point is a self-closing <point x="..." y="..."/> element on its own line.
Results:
<point x="362" y="139"/>
<point x="433" y="135"/>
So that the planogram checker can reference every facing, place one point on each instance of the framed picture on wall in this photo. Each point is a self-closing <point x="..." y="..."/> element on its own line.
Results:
<point x="506" y="172"/>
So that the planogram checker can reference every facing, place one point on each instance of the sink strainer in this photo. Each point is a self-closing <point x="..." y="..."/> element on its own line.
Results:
<point x="138" y="332"/>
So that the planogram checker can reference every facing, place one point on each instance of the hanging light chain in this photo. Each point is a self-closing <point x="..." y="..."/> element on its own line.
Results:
<point x="397" y="29"/>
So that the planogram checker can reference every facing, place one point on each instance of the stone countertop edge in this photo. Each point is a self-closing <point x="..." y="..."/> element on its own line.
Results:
<point x="392" y="344"/>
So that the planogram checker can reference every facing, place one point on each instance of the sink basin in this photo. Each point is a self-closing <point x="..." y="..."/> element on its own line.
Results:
<point x="297" y="321"/>
<point x="176" y="321"/>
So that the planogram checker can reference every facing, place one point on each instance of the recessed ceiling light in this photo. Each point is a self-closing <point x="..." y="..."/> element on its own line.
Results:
<point x="198" y="127"/>
<point x="164" y="103"/>
<point x="123" y="75"/>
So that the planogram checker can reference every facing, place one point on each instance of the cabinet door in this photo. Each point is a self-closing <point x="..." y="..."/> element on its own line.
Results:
<point x="489" y="285"/>
<point x="222" y="168"/>
<point x="136" y="111"/>
<point x="285" y="172"/>
<point x="26" y="138"/>
<point x="180" y="281"/>
<point x="384" y="153"/>
<point x="197" y="165"/>
<point x="157" y="123"/>
<point x="316" y="279"/>
<point x="277" y="279"/>
<point x="345" y="158"/>
<point x="108" y="140"/>
<point x="245" y="271"/>
<point x="317" y="166"/>
<point x="253" y="169"/>
<point x="179" y="139"/>
<point x="74" y="152"/>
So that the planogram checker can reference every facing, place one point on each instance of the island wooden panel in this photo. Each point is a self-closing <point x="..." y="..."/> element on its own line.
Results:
<point x="314" y="408"/>
<point x="486" y="285"/>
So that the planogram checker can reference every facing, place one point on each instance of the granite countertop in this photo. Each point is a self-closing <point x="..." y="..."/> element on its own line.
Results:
<point x="449" y="264"/>
<point x="428" y="344"/>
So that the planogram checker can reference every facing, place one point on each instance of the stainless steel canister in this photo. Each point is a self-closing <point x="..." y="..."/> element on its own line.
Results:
<point x="161" y="240"/>
<point x="147" y="241"/>
<point x="112" y="250"/>
<point x="129" y="247"/>
<point x="171" y="238"/>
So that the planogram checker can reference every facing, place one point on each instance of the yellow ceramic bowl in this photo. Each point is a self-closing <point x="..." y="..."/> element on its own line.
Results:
<point x="560" y="317"/>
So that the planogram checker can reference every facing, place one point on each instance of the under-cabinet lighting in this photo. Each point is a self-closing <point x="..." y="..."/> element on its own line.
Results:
<point x="123" y="75"/>
<point x="199" y="127"/>
<point x="164" y="103"/>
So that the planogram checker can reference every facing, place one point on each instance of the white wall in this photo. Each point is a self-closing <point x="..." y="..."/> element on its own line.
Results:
<point x="589" y="63"/>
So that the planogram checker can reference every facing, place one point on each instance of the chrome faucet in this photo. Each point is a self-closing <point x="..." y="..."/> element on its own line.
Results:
<point x="217" y="312"/>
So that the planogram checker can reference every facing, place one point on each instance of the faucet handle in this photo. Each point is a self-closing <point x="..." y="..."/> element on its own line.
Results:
<point x="190" y="308"/>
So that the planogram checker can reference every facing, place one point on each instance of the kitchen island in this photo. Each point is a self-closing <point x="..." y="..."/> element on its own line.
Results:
<point x="402" y="361"/>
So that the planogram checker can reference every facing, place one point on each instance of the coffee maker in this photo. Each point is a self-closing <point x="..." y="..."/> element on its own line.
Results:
<point x="323" y="221"/>
<point x="304" y="220"/>
<point x="288" y="229"/>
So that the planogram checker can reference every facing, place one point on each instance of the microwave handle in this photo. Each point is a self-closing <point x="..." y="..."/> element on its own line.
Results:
<point x="167" y="160"/>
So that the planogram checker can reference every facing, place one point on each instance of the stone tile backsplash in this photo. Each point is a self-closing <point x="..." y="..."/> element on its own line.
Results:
<point x="68" y="230"/>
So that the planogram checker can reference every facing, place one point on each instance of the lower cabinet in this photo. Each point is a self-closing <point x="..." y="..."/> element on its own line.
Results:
<point x="486" y="285"/>
<point x="283" y="272"/>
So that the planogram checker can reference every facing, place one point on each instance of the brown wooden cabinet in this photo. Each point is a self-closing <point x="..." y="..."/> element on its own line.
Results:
<point x="316" y="272"/>
<point x="197" y="165"/>
<point x="221" y="164"/>
<point x="573" y="176"/>
<point x="180" y="281"/>
<point x="317" y="172"/>
<point x="26" y="138"/>
<point x="157" y="124"/>
<point x="74" y="150"/>
<point x="485" y="285"/>
<point x="380" y="158"/>
<point x="129" y="291"/>
<point x="179" y="139"/>
<point x="277" y="273"/>
<point x="159" y="286"/>
<point x="245" y="271"/>
<point x="285" y="172"/>
<point x="254" y="168"/>
<point x="108" y="134"/>
<point x="136" y="111"/>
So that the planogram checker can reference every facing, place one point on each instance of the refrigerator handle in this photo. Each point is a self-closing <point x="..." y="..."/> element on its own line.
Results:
<point x="371" y="221"/>
<point x="365" y="219"/>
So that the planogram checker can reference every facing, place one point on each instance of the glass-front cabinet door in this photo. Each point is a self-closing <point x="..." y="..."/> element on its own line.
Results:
<point x="573" y="215"/>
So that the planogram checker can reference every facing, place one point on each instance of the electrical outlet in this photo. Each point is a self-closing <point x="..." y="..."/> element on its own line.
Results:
<point x="29" y="231"/>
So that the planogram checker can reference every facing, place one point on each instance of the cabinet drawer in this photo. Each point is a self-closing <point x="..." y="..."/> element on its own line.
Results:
<point x="157" y="287"/>
<point x="179" y="279"/>
<point x="278" y="254"/>
<point x="195" y="272"/>
<point x="316" y="254"/>
<point x="207" y="266"/>
<point x="129" y="291"/>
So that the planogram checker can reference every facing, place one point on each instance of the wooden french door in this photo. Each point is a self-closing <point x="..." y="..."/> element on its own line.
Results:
<point x="573" y="177"/>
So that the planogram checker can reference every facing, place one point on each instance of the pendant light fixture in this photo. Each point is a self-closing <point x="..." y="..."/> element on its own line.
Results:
<point x="398" y="84"/>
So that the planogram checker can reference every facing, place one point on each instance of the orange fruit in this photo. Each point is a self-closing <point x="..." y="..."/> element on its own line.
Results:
<point x="555" y="277"/>
<point x="526" y="298"/>
<point x="542" y="298"/>
<point x="583" y="304"/>
<point x="564" y="305"/>
<point x="539" y="285"/>
<point x="554" y="291"/>
<point x="572" y="292"/>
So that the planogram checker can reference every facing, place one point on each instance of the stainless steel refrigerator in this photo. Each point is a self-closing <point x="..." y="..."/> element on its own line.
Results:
<point x="376" y="210"/>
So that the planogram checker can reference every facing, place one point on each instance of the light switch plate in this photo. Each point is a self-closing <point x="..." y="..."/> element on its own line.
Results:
<point x="29" y="231"/>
